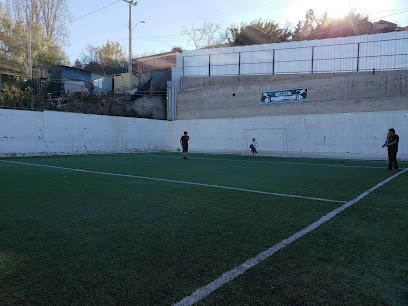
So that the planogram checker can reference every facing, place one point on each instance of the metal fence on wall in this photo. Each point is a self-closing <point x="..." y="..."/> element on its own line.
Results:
<point x="380" y="52"/>
<point x="387" y="51"/>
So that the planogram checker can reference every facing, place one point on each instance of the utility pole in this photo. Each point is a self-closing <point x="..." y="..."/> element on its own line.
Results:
<point x="29" y="20"/>
<point x="30" y="67"/>
<point x="131" y="3"/>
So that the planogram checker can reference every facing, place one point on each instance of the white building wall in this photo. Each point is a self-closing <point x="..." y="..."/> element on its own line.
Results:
<point x="347" y="135"/>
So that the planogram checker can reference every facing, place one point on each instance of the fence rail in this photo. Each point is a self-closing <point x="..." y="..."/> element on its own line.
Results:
<point x="391" y="54"/>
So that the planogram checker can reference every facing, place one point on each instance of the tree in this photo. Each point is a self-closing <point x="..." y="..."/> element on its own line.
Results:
<point x="55" y="14"/>
<point x="51" y="15"/>
<point x="258" y="32"/>
<point x="357" y="24"/>
<point x="14" y="45"/>
<point x="352" y="24"/>
<point x="7" y="63"/>
<point x="78" y="64"/>
<point x="305" y="30"/>
<point x="108" y="58"/>
<point x="314" y="27"/>
<point x="177" y="49"/>
<point x="209" y="34"/>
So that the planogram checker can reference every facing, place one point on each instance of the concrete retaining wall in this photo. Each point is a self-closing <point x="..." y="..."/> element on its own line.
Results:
<point x="240" y="96"/>
<point x="341" y="135"/>
<point x="345" y="135"/>
<point x="47" y="133"/>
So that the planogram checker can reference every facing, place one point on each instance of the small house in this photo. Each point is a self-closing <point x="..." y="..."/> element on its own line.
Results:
<point x="102" y="83"/>
<point x="125" y="81"/>
<point x="68" y="79"/>
<point x="156" y="61"/>
<point x="384" y="26"/>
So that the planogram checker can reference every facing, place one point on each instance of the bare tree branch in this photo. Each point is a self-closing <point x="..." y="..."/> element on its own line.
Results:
<point x="52" y="15"/>
<point x="207" y="35"/>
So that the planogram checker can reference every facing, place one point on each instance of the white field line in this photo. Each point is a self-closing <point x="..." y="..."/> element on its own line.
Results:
<point x="176" y="181"/>
<point x="267" y="162"/>
<point x="225" y="278"/>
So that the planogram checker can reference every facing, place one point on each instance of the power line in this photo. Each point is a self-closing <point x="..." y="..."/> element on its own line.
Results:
<point x="198" y="13"/>
<point x="265" y="4"/>
<point x="90" y="13"/>
<point x="264" y="8"/>
<point x="160" y="37"/>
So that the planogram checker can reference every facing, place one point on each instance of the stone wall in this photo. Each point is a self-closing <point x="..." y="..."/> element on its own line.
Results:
<point x="150" y="106"/>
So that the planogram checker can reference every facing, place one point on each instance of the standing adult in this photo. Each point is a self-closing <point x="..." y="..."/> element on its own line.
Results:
<point x="184" y="143"/>
<point x="392" y="146"/>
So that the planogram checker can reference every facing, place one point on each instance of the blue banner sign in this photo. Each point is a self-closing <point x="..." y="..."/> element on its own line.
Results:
<point x="292" y="95"/>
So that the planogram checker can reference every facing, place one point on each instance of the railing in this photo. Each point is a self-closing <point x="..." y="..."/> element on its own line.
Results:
<point x="377" y="55"/>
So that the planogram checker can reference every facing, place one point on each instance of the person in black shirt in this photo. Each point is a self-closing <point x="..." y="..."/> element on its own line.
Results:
<point x="184" y="143"/>
<point x="392" y="150"/>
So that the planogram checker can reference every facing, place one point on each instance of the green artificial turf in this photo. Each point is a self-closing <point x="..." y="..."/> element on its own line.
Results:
<point x="71" y="237"/>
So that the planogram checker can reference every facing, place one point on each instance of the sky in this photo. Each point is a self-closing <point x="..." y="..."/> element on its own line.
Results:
<point x="164" y="19"/>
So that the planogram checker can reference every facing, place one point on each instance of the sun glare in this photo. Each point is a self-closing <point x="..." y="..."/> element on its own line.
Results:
<point x="337" y="9"/>
<point x="334" y="8"/>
